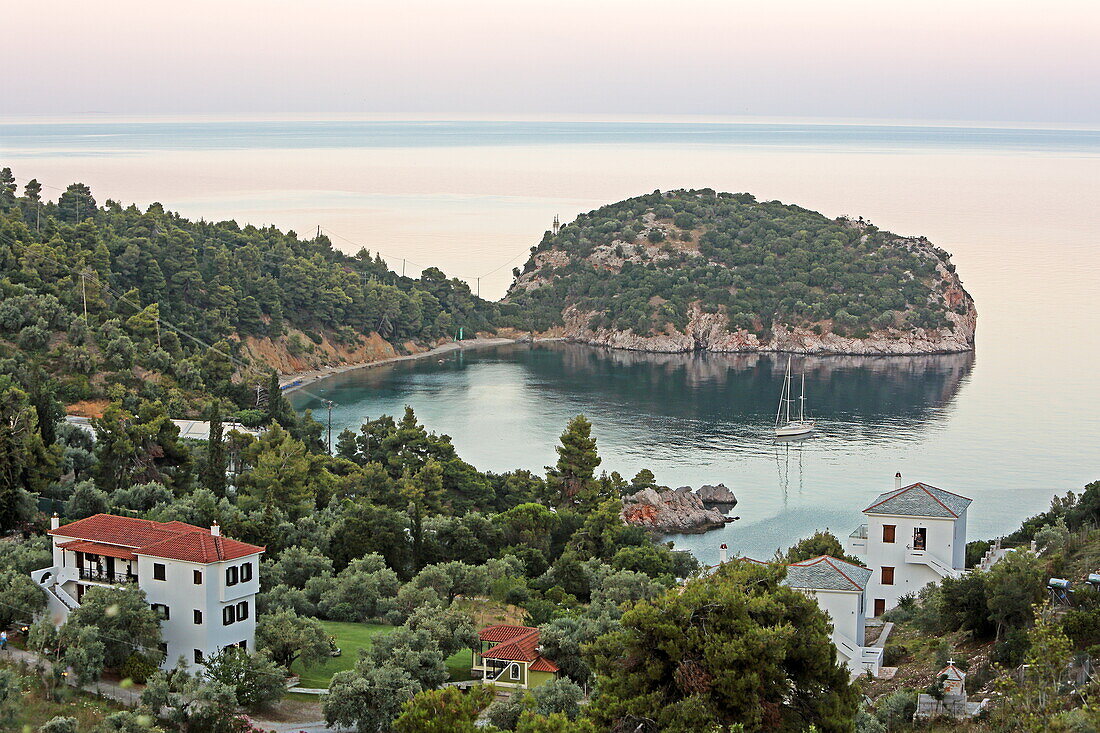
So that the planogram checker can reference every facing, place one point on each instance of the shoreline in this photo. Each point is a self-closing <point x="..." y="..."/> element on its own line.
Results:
<point x="298" y="380"/>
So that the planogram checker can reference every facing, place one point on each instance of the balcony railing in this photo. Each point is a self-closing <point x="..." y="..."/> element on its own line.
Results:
<point x="860" y="533"/>
<point x="102" y="576"/>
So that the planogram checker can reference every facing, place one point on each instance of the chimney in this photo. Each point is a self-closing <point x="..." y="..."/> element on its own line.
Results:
<point x="722" y="554"/>
<point x="55" y="521"/>
<point x="215" y="530"/>
<point x="897" y="480"/>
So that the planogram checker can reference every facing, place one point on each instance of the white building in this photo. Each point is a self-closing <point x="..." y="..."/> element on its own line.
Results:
<point x="839" y="588"/>
<point x="203" y="585"/>
<point x="915" y="535"/>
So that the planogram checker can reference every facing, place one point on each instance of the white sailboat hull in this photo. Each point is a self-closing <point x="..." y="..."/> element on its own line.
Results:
<point x="802" y="427"/>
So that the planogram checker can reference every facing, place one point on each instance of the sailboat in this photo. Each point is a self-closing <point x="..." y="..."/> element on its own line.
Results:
<point x="785" y="427"/>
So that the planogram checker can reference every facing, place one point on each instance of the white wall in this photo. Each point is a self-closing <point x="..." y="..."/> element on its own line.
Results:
<point x="183" y="597"/>
<point x="845" y="609"/>
<point x="945" y="541"/>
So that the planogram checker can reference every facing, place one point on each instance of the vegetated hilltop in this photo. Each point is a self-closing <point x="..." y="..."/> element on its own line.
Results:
<point x="268" y="297"/>
<point x="699" y="270"/>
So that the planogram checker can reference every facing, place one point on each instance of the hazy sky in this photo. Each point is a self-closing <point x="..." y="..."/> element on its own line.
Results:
<point x="993" y="60"/>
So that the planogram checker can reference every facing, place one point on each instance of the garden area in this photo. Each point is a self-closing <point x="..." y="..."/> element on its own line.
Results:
<point x="351" y="637"/>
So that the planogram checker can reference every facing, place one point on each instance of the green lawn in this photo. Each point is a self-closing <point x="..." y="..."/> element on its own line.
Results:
<point x="351" y="637"/>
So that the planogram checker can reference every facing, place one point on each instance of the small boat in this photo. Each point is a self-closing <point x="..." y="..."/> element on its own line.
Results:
<point x="785" y="427"/>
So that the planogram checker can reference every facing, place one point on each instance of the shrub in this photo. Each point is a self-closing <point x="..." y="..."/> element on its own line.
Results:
<point x="138" y="668"/>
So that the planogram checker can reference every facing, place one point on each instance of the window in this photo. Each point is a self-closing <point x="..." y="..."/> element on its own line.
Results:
<point x="888" y="531"/>
<point x="246" y="572"/>
<point x="161" y="610"/>
<point x="242" y="610"/>
<point x="880" y="606"/>
<point x="163" y="646"/>
<point x="158" y="571"/>
<point x="198" y="616"/>
<point x="228" y="615"/>
<point x="243" y="645"/>
<point x="198" y="577"/>
<point x="887" y="576"/>
<point x="198" y="656"/>
<point x="231" y="577"/>
<point x="514" y="672"/>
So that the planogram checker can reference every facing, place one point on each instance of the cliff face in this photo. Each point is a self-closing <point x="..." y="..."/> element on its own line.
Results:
<point x="581" y="275"/>
<point x="295" y="352"/>
<point x="711" y="332"/>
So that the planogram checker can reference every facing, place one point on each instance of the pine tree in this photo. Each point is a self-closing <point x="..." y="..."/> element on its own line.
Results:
<point x="577" y="459"/>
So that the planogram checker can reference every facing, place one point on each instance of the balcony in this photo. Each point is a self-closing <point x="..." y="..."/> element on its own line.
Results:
<point x="102" y="576"/>
<point x="857" y="540"/>
<point x="921" y="556"/>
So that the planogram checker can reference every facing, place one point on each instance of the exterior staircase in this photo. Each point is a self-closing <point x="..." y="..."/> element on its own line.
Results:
<point x="926" y="558"/>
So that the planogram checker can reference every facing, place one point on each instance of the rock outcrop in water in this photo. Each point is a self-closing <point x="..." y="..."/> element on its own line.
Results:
<point x="671" y="511"/>
<point x="719" y="494"/>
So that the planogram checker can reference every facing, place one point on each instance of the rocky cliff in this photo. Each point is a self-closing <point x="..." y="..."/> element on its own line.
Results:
<point x="673" y="511"/>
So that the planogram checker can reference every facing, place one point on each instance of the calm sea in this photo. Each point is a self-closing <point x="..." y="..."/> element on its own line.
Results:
<point x="1010" y="425"/>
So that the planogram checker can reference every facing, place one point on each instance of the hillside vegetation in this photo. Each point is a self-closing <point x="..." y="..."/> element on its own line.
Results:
<point x="650" y="263"/>
<point x="259" y="294"/>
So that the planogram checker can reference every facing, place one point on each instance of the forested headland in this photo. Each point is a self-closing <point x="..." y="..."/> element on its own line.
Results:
<point x="107" y="299"/>
<point x="686" y="270"/>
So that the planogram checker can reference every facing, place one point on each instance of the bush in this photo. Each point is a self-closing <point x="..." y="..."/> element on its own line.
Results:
<point x="138" y="668"/>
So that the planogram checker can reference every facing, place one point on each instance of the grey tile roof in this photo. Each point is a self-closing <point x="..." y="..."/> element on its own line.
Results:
<point x="919" y="500"/>
<point x="827" y="573"/>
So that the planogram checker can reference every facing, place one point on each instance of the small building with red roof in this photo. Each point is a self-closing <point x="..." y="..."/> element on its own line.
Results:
<point x="202" y="584"/>
<point x="511" y="656"/>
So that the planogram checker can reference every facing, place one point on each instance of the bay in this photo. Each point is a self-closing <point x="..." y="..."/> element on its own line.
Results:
<point x="1010" y="425"/>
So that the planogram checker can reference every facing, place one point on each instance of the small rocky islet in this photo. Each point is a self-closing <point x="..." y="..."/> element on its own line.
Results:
<point x="678" y="511"/>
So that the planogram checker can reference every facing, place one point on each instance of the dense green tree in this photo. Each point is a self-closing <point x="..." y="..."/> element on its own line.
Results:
<point x="577" y="460"/>
<point x="254" y="679"/>
<point x="288" y="637"/>
<point x="817" y="544"/>
<point x="1013" y="586"/>
<point x="20" y="597"/>
<point x="11" y="699"/>
<point x="24" y="460"/>
<point x="122" y="619"/>
<point x="734" y="647"/>
<point x="368" y="699"/>
<point x="217" y="462"/>
<point x="448" y="710"/>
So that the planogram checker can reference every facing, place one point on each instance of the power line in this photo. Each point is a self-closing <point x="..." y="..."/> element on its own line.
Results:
<point x="138" y="308"/>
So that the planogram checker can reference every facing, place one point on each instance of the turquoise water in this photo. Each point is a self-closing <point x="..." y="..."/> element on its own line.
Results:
<point x="1010" y="425"/>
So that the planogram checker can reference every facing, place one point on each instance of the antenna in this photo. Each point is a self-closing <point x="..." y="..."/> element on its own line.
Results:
<point x="557" y="224"/>
<point x="329" y="404"/>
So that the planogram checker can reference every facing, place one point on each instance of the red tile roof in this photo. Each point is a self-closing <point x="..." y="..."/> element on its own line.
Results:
<point x="519" y="644"/>
<point x="504" y="632"/>
<point x="170" y="540"/>
<point x="96" y="548"/>
<point x="542" y="664"/>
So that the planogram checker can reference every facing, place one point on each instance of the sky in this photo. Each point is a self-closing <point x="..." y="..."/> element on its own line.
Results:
<point x="965" y="60"/>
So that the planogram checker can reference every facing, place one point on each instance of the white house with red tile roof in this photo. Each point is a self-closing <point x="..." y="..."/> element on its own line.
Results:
<point x="914" y="535"/>
<point x="203" y="585"/>
<point x="510" y="656"/>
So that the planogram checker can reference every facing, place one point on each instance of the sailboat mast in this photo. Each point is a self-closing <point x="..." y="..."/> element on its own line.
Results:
<point x="787" y="389"/>
<point x="802" y="400"/>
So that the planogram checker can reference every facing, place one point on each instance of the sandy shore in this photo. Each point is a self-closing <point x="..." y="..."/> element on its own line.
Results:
<point x="304" y="379"/>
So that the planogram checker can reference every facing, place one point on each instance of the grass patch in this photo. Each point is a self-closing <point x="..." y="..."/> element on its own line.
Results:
<point x="351" y="637"/>
<point x="34" y="710"/>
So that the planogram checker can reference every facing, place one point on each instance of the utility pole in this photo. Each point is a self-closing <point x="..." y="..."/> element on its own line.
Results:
<point x="84" y="294"/>
<point x="318" y="237"/>
<point x="402" y="267"/>
<point x="479" y="287"/>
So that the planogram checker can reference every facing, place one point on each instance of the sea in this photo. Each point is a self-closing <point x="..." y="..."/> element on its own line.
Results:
<point x="1009" y="425"/>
